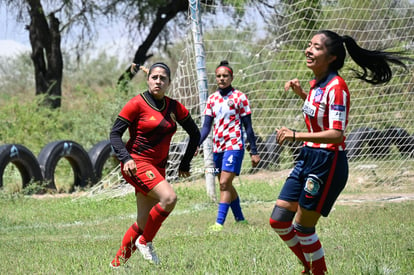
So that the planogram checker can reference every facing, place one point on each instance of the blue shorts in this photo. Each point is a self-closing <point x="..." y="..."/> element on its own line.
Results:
<point x="229" y="161"/>
<point x="317" y="179"/>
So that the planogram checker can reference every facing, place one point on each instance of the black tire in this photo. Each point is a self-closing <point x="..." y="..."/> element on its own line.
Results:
<point x="23" y="159"/>
<point x="76" y="156"/>
<point x="273" y="150"/>
<point x="98" y="155"/>
<point x="379" y="145"/>
<point x="402" y="139"/>
<point x="357" y="140"/>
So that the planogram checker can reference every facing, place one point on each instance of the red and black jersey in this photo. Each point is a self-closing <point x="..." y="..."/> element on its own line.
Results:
<point x="151" y="128"/>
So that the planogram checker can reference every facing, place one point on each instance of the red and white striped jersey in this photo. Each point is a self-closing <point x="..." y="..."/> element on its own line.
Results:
<point x="227" y="112"/>
<point x="327" y="107"/>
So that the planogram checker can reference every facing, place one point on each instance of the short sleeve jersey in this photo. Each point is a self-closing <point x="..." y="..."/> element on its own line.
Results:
<point x="227" y="112"/>
<point x="151" y="129"/>
<point x="327" y="107"/>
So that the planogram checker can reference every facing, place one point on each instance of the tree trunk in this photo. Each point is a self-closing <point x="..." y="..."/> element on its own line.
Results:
<point x="164" y="14"/>
<point x="46" y="54"/>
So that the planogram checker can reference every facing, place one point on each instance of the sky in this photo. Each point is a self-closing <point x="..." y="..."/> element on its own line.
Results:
<point x="14" y="38"/>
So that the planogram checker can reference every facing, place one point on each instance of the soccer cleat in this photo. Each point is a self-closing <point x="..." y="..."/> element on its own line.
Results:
<point x="216" y="227"/>
<point x="243" y="222"/>
<point x="147" y="251"/>
<point x="114" y="265"/>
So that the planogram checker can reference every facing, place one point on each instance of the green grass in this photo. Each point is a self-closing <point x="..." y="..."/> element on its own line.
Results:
<point x="64" y="234"/>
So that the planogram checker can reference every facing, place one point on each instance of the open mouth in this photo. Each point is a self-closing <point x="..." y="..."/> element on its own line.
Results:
<point x="309" y="59"/>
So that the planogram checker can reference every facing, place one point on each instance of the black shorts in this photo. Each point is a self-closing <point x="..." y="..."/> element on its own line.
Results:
<point x="317" y="179"/>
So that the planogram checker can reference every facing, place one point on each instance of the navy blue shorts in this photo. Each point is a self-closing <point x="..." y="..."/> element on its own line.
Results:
<point x="229" y="161"/>
<point x="317" y="179"/>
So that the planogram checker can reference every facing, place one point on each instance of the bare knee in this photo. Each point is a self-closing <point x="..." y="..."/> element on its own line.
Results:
<point x="225" y="185"/>
<point x="168" y="202"/>
<point x="171" y="200"/>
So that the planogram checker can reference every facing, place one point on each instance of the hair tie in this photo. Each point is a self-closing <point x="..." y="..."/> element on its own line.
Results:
<point x="227" y="68"/>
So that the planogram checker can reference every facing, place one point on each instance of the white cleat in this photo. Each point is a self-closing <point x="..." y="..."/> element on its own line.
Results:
<point x="147" y="251"/>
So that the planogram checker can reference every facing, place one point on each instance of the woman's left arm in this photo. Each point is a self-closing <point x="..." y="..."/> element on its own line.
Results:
<point x="251" y="137"/>
<point x="192" y="130"/>
<point x="327" y="136"/>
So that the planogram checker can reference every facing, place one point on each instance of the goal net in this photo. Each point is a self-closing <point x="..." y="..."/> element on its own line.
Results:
<point x="265" y="44"/>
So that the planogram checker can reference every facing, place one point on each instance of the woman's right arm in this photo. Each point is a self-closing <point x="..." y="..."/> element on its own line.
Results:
<point x="296" y="87"/>
<point x="118" y="145"/>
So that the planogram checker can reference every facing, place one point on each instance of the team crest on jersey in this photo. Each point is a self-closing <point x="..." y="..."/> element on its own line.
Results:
<point x="313" y="184"/>
<point x="230" y="103"/>
<point x="173" y="117"/>
<point x="150" y="174"/>
<point x="318" y="95"/>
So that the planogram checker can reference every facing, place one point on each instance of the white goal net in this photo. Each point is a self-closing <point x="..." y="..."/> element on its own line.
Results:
<point x="265" y="43"/>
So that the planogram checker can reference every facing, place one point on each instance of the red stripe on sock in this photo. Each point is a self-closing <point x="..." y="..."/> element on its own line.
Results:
<point x="296" y="249"/>
<point x="318" y="266"/>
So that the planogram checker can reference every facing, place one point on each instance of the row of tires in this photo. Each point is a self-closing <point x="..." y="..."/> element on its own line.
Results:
<point x="86" y="166"/>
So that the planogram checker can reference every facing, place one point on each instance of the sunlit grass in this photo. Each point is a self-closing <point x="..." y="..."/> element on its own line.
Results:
<point x="64" y="234"/>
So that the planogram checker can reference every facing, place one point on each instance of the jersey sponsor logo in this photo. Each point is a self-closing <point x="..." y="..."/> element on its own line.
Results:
<point x="338" y="108"/>
<point x="150" y="174"/>
<point x="309" y="109"/>
<point x="312" y="185"/>
<point x="338" y="113"/>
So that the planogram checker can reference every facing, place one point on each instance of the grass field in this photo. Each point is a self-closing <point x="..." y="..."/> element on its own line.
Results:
<point x="370" y="231"/>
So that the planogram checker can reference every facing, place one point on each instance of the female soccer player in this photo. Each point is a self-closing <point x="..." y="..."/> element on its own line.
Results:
<point x="151" y="118"/>
<point x="321" y="171"/>
<point x="230" y="109"/>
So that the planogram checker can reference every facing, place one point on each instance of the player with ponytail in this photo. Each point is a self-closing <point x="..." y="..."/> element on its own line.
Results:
<point x="321" y="170"/>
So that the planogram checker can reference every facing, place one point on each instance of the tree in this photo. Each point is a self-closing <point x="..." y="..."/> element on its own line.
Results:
<point x="49" y="25"/>
<point x="46" y="53"/>
<point x="158" y="14"/>
<point x="155" y="13"/>
<point x="45" y="32"/>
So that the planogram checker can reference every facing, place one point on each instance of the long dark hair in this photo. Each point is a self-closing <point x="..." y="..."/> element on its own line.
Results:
<point x="375" y="64"/>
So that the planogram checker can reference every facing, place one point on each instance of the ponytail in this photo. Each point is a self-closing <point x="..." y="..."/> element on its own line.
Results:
<point x="375" y="64"/>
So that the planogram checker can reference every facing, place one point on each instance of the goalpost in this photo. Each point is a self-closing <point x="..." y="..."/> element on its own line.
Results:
<point x="203" y="94"/>
<point x="265" y="44"/>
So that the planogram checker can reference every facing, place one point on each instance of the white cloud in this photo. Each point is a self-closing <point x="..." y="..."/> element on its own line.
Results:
<point x="11" y="48"/>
